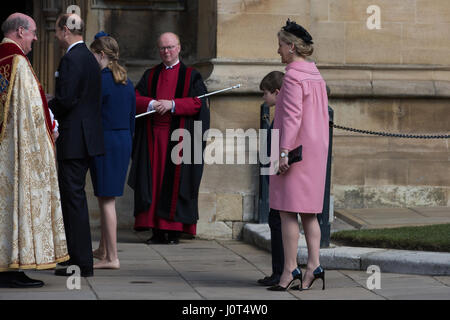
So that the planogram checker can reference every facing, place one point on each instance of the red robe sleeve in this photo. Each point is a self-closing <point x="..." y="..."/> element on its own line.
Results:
<point x="143" y="96"/>
<point x="187" y="106"/>
<point x="142" y="102"/>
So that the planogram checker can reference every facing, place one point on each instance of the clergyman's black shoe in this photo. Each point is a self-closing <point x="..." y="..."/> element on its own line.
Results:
<point x="158" y="237"/>
<point x="157" y="240"/>
<point x="269" y="281"/>
<point x="84" y="272"/>
<point x="18" y="279"/>
<point x="173" y="237"/>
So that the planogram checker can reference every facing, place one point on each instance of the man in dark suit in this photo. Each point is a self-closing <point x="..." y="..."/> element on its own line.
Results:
<point x="77" y="107"/>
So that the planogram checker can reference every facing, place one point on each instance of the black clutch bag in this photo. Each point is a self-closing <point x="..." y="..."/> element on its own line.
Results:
<point x="294" y="155"/>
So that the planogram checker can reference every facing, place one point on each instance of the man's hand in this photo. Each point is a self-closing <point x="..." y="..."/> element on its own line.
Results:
<point x="163" y="106"/>
<point x="49" y="97"/>
<point x="155" y="103"/>
<point x="55" y="135"/>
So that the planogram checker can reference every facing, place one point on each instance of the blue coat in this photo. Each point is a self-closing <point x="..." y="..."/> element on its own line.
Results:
<point x="108" y="172"/>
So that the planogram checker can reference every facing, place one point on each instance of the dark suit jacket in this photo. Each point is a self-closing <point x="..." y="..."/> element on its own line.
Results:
<point x="77" y="105"/>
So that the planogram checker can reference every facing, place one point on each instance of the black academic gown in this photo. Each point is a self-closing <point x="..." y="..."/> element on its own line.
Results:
<point x="179" y="194"/>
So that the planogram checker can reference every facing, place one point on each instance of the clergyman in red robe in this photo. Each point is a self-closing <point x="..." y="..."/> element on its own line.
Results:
<point x="166" y="193"/>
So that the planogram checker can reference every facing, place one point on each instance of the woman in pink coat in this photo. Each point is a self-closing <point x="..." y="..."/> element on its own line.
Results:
<point x="301" y="116"/>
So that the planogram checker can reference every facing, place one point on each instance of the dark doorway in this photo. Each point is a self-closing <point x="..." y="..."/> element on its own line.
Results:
<point x="23" y="6"/>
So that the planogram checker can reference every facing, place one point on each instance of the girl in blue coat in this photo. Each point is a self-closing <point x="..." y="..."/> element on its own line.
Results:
<point x="108" y="172"/>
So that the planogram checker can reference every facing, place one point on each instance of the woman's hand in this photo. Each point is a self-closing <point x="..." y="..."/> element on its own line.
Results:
<point x="284" y="166"/>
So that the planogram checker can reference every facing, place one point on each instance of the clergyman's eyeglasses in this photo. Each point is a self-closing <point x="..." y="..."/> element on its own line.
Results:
<point x="169" y="48"/>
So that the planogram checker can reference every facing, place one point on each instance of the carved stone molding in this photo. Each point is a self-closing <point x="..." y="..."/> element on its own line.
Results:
<point x="157" y="5"/>
<point x="345" y="81"/>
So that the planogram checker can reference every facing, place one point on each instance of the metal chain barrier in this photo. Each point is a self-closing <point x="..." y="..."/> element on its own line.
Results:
<point x="387" y="134"/>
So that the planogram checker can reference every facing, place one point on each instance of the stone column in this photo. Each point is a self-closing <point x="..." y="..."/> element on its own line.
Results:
<point x="50" y="15"/>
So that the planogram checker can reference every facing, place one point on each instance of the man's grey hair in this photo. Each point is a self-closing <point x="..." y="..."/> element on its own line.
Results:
<point x="13" y="24"/>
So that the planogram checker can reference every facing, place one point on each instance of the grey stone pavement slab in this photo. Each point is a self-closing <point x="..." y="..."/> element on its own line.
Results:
<point x="216" y="270"/>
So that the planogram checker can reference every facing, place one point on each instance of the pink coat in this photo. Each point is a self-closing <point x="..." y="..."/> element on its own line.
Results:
<point x="301" y="116"/>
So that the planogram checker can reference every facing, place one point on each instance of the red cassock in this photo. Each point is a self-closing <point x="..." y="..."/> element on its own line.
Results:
<point x="158" y="132"/>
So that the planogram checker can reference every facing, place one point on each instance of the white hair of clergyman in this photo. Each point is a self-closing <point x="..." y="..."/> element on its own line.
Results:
<point x="12" y="24"/>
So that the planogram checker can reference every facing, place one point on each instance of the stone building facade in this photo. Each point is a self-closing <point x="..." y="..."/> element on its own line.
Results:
<point x="386" y="62"/>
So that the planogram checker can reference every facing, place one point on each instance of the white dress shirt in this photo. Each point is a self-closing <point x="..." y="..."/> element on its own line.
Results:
<point x="73" y="45"/>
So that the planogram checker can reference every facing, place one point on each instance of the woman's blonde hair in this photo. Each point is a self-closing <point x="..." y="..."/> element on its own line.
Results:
<point x="109" y="46"/>
<point x="301" y="48"/>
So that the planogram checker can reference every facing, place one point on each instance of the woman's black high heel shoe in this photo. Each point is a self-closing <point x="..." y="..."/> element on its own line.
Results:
<point x="297" y="276"/>
<point x="318" y="273"/>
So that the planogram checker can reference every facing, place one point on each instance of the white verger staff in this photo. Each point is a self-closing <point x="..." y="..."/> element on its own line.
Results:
<point x="203" y="96"/>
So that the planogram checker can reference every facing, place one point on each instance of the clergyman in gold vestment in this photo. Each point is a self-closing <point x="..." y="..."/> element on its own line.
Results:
<point x="32" y="232"/>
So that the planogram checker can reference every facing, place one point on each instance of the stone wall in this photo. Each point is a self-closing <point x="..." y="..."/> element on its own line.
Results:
<point x="412" y="32"/>
<point x="373" y="171"/>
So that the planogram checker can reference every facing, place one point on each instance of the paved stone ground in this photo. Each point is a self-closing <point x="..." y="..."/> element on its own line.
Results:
<point x="215" y="270"/>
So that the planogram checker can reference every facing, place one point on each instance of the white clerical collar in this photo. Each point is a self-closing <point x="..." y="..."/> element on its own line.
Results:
<point x="6" y="40"/>
<point x="171" y="67"/>
<point x="74" y="44"/>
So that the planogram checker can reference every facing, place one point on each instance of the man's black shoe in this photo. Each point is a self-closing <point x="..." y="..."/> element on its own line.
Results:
<point x="64" y="264"/>
<point x="19" y="280"/>
<point x="84" y="272"/>
<point x="158" y="237"/>
<point x="173" y="237"/>
<point x="269" y="281"/>
<point x="157" y="240"/>
<point x="174" y="241"/>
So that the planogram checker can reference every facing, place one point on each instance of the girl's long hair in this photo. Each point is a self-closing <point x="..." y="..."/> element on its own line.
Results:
<point x="109" y="46"/>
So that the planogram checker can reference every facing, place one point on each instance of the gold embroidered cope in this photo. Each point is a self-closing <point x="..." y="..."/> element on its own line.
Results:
<point x="32" y="232"/>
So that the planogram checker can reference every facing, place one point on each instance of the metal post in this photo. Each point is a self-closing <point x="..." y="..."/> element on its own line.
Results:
<point x="324" y="217"/>
<point x="263" y="203"/>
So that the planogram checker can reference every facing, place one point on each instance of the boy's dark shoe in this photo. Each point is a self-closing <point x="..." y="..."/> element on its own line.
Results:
<point x="270" y="281"/>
